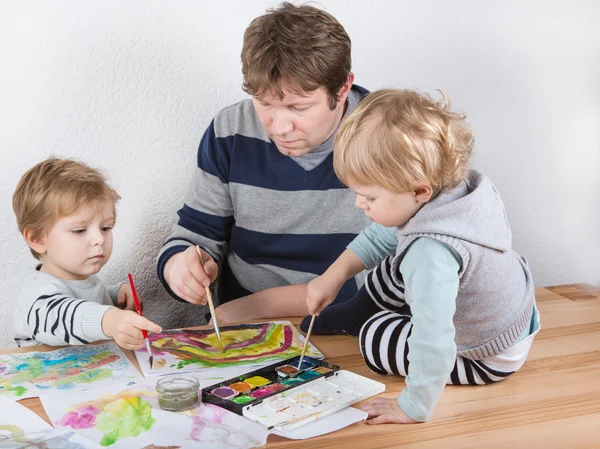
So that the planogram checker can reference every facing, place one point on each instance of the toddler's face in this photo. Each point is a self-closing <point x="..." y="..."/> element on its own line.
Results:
<point x="384" y="207"/>
<point x="79" y="245"/>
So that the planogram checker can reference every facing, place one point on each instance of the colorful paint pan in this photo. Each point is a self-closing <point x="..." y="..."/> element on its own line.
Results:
<point x="292" y="381"/>
<point x="257" y="381"/>
<point x="273" y="388"/>
<point x="322" y="370"/>
<point x="241" y="387"/>
<point x="287" y="370"/>
<point x="224" y="392"/>
<point x="243" y="399"/>
<point x="306" y="375"/>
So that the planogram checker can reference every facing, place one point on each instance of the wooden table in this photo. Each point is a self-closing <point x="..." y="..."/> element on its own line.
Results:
<point x="552" y="402"/>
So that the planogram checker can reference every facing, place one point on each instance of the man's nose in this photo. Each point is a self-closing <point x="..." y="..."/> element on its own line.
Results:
<point x="281" y="124"/>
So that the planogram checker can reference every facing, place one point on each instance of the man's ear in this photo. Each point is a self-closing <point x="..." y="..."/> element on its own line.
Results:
<point x="345" y="89"/>
<point x="35" y="242"/>
<point x="423" y="193"/>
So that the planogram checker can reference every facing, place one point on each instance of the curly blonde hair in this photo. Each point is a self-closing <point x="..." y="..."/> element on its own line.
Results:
<point x="56" y="188"/>
<point x="399" y="139"/>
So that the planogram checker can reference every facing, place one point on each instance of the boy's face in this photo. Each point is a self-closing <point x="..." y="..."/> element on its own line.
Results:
<point x="298" y="124"/>
<point x="79" y="245"/>
<point x="387" y="208"/>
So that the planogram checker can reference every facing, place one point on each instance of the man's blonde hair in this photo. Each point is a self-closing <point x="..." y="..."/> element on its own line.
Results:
<point x="399" y="139"/>
<point x="56" y="188"/>
<point x="301" y="45"/>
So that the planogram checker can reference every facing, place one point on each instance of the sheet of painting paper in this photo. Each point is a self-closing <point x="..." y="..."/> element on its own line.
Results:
<point x="246" y="347"/>
<point x="25" y="375"/>
<point x="131" y="418"/>
<point x="22" y="428"/>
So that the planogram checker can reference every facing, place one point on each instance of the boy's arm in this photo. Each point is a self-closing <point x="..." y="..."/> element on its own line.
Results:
<point x="54" y="317"/>
<point x="206" y="217"/>
<point x="373" y="244"/>
<point x="430" y="271"/>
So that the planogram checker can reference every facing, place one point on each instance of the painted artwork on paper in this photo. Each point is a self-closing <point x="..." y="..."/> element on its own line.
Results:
<point x="25" y="375"/>
<point x="131" y="417"/>
<point x="22" y="428"/>
<point x="246" y="347"/>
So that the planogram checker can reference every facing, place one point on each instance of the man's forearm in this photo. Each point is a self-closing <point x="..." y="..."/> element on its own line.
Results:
<point x="289" y="300"/>
<point x="286" y="301"/>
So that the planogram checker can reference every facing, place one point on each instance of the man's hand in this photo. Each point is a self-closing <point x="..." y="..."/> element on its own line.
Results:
<point x="187" y="277"/>
<point x="385" y="410"/>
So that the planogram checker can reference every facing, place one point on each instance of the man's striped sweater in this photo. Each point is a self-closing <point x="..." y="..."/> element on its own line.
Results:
<point x="269" y="220"/>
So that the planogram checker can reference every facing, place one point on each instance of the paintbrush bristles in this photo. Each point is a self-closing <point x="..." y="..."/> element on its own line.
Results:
<point x="211" y="305"/>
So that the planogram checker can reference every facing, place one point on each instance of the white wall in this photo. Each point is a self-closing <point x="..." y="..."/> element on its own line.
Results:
<point x="130" y="86"/>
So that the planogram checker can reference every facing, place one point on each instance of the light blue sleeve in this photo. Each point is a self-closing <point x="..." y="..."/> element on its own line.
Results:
<point x="430" y="271"/>
<point x="374" y="244"/>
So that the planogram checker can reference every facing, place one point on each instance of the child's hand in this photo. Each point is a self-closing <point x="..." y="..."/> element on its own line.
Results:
<point x="125" y="298"/>
<point x="321" y="292"/>
<point x="125" y="327"/>
<point x="385" y="410"/>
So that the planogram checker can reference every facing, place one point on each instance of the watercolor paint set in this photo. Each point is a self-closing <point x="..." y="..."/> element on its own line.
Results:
<point x="284" y="397"/>
<point x="253" y="387"/>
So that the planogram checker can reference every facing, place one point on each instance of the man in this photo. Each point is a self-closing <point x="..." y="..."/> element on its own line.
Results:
<point x="265" y="205"/>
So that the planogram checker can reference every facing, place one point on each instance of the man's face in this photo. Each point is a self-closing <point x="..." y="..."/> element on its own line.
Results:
<point x="298" y="124"/>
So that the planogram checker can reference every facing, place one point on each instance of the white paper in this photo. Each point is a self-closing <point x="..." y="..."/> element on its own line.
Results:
<point x="248" y="347"/>
<point x="128" y="418"/>
<point x="22" y="428"/>
<point x="326" y="424"/>
<point x="76" y="368"/>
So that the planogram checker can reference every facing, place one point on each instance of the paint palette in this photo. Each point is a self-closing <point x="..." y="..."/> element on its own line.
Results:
<point x="253" y="388"/>
<point x="313" y="400"/>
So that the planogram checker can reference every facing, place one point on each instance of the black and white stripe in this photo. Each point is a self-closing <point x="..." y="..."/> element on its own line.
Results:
<point x="55" y="315"/>
<point x="384" y="346"/>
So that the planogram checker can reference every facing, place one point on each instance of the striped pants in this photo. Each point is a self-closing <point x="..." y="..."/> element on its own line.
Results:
<point x="383" y="338"/>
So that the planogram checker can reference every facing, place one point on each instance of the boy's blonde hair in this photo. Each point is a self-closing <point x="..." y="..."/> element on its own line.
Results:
<point x="398" y="139"/>
<point x="299" y="44"/>
<point x="56" y="188"/>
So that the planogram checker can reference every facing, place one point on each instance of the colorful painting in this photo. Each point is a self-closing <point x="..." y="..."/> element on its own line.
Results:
<point x="246" y="347"/>
<point x="25" y="375"/>
<point x="131" y="417"/>
<point x="21" y="428"/>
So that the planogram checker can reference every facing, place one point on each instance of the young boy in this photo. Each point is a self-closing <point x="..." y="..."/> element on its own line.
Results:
<point x="451" y="302"/>
<point x="66" y="212"/>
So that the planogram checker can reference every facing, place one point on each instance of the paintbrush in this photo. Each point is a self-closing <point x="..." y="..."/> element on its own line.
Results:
<point x="312" y="321"/>
<point x="139" y="311"/>
<point x="308" y="418"/>
<point x="211" y="305"/>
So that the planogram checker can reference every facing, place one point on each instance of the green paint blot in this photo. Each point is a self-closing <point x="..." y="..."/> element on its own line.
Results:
<point x="18" y="391"/>
<point x="124" y="418"/>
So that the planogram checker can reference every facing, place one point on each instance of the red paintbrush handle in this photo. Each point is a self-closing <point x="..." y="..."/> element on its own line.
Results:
<point x="137" y="302"/>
